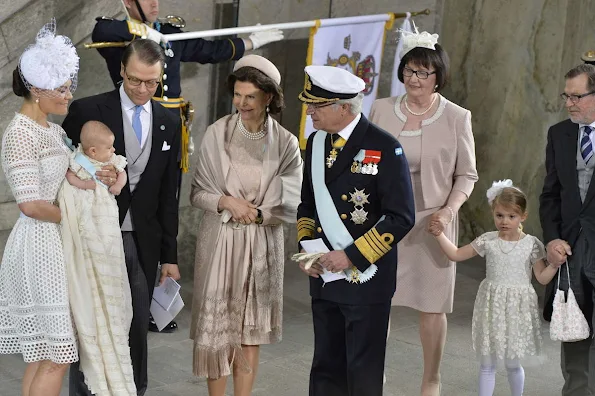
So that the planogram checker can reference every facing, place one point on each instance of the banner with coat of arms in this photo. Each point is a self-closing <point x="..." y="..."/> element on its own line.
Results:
<point x="356" y="47"/>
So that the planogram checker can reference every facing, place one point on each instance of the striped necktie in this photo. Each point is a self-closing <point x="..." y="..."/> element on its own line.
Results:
<point x="339" y="143"/>
<point x="586" y="145"/>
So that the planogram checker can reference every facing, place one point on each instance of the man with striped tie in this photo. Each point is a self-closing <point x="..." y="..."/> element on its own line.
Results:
<point x="567" y="213"/>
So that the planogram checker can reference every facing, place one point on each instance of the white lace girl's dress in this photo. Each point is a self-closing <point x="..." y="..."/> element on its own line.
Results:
<point x="100" y="297"/>
<point x="34" y="309"/>
<point x="506" y="322"/>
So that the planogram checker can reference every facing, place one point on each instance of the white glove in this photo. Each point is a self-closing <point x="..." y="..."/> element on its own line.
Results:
<point x="155" y="36"/>
<point x="264" y="37"/>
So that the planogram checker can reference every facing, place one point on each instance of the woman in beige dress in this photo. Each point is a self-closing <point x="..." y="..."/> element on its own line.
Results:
<point x="247" y="181"/>
<point x="437" y="138"/>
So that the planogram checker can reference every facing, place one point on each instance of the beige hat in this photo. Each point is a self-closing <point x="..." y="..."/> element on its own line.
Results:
<point x="260" y="63"/>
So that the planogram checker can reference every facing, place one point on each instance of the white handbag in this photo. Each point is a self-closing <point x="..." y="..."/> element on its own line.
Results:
<point x="568" y="323"/>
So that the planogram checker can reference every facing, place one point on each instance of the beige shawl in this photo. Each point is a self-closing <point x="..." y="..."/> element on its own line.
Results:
<point x="239" y="269"/>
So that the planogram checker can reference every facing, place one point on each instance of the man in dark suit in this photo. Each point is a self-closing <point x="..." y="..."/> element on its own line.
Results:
<point x="567" y="213"/>
<point x="148" y="135"/>
<point x="357" y="197"/>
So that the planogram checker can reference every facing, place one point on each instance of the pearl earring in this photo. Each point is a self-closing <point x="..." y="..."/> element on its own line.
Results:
<point x="36" y="100"/>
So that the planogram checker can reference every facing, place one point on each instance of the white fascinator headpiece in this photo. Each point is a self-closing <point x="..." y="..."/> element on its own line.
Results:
<point x="50" y="62"/>
<point x="497" y="188"/>
<point x="416" y="39"/>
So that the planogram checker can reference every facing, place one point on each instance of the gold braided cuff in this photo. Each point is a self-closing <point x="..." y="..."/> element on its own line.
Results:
<point x="306" y="227"/>
<point x="233" y="49"/>
<point x="373" y="246"/>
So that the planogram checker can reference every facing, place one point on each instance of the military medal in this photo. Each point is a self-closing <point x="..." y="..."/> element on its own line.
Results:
<point x="332" y="157"/>
<point x="359" y="197"/>
<point x="371" y="160"/>
<point x="356" y="167"/>
<point x="359" y="216"/>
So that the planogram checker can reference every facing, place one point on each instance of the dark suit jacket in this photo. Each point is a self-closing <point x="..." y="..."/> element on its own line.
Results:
<point x="153" y="205"/>
<point x="390" y="196"/>
<point x="561" y="212"/>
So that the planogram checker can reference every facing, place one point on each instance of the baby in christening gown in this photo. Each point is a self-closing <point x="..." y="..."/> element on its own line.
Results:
<point x="97" y="147"/>
<point x="95" y="265"/>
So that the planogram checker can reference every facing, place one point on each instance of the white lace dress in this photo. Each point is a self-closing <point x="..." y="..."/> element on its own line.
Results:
<point x="34" y="310"/>
<point x="506" y="322"/>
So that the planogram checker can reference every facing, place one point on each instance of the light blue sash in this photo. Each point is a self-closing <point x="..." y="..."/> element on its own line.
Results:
<point x="339" y="237"/>
<point x="89" y="167"/>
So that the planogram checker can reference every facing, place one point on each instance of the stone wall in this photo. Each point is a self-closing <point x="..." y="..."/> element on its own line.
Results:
<point x="508" y="61"/>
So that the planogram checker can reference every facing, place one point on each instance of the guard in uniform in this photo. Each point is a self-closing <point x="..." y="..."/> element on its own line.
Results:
<point x="110" y="37"/>
<point x="589" y="57"/>
<point x="356" y="197"/>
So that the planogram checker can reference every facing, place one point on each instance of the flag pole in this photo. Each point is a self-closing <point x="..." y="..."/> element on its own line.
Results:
<point x="288" y="26"/>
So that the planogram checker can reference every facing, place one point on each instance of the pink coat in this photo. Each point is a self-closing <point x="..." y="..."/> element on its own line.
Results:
<point x="448" y="148"/>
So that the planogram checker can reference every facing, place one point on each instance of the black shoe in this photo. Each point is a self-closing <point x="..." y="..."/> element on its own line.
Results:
<point x="170" y="328"/>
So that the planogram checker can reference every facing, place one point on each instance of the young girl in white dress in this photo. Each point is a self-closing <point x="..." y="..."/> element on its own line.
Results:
<point x="506" y="321"/>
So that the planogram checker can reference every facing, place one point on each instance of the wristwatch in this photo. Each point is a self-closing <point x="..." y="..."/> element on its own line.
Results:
<point x="259" y="218"/>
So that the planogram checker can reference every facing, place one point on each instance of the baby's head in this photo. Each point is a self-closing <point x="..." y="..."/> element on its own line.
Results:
<point x="509" y="205"/>
<point x="97" y="141"/>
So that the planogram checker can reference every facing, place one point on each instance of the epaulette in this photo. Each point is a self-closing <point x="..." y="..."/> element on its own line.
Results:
<point x="172" y="20"/>
<point x="104" y="18"/>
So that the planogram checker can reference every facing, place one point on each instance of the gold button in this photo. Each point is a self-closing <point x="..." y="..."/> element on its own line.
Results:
<point x="344" y="216"/>
<point x="344" y="197"/>
<point x="319" y="230"/>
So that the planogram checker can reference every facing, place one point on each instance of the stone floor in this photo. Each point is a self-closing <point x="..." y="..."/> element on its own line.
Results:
<point x="284" y="367"/>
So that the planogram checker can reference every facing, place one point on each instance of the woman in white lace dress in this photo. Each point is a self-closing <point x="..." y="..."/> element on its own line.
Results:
<point x="506" y="323"/>
<point x="34" y="310"/>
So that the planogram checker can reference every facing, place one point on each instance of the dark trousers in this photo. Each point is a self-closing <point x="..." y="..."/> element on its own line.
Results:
<point x="577" y="359"/>
<point x="349" y="348"/>
<point x="138" y="329"/>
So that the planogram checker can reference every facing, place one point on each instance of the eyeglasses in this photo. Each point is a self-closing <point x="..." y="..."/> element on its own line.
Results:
<point x="574" y="98"/>
<point x="135" y="82"/>
<point x="421" y="74"/>
<point x="320" y="106"/>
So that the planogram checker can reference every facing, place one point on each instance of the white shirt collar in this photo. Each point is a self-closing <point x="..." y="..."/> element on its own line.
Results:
<point x="346" y="132"/>
<point x="128" y="104"/>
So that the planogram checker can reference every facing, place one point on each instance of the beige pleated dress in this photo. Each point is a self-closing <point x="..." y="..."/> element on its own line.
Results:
<point x="425" y="276"/>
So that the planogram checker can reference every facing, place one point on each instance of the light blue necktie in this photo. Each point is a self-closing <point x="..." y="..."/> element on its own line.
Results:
<point x="586" y="145"/>
<point x="137" y="125"/>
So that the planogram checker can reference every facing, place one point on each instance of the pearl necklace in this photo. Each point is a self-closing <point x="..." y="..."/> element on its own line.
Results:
<point x="516" y="243"/>
<point x="423" y="112"/>
<point x="252" y="135"/>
